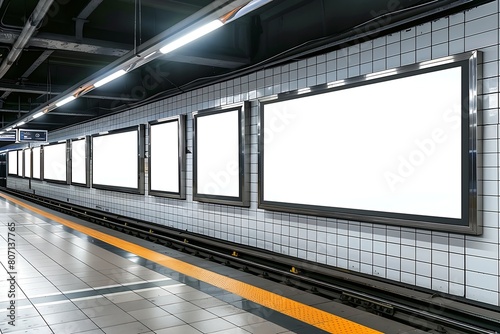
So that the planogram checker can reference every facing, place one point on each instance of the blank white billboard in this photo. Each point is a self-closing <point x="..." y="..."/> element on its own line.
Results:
<point x="78" y="161"/>
<point x="218" y="154"/>
<point x="36" y="162"/>
<point x="164" y="157"/>
<point x="54" y="162"/>
<point x="115" y="160"/>
<point x="27" y="163"/>
<point x="12" y="162"/>
<point x="392" y="146"/>
<point x="20" y="163"/>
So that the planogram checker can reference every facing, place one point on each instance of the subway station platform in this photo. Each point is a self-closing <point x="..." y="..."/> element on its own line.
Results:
<point x="64" y="275"/>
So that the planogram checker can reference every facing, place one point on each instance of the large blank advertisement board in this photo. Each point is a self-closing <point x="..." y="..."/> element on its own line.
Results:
<point x="392" y="150"/>
<point x="12" y="162"/>
<point x="79" y="162"/>
<point x="36" y="163"/>
<point x="117" y="158"/>
<point x="27" y="163"/>
<point x="219" y="156"/>
<point x="54" y="162"/>
<point x="167" y="157"/>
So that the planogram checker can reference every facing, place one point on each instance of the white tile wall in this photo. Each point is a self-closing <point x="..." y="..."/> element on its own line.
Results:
<point x="466" y="266"/>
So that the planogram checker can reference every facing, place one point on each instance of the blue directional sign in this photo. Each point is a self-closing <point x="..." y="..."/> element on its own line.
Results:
<point x="8" y="136"/>
<point x="32" y="135"/>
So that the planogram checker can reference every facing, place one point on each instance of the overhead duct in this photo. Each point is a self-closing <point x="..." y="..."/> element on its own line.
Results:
<point x="36" y="17"/>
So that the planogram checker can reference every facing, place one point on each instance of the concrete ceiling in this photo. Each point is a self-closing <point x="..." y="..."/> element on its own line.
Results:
<point x="75" y="39"/>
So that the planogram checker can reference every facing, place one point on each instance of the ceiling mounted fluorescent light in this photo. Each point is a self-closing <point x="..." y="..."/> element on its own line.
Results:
<point x="38" y="114"/>
<point x="20" y="123"/>
<point x="109" y="78"/>
<point x="8" y="129"/>
<point x="193" y="35"/>
<point x="66" y="100"/>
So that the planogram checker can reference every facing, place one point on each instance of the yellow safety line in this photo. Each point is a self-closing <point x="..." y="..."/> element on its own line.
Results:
<point x="305" y="313"/>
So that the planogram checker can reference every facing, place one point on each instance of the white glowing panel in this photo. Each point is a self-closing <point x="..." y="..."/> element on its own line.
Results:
<point x="164" y="161"/>
<point x="115" y="160"/>
<point x="20" y="164"/>
<point x="393" y="146"/>
<point x="36" y="163"/>
<point x="13" y="162"/>
<point x="217" y="145"/>
<point x="27" y="163"/>
<point x="54" y="162"/>
<point x="78" y="161"/>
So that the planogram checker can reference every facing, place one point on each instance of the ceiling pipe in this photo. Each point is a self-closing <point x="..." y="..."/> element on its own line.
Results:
<point x="36" y="17"/>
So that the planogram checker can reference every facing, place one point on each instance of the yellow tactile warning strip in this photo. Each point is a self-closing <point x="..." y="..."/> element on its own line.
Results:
<point x="305" y="313"/>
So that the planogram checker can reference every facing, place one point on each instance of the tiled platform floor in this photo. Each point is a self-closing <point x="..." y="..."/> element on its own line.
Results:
<point x="68" y="282"/>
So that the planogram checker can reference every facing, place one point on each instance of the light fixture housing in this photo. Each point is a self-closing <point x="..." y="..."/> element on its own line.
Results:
<point x="66" y="100"/>
<point x="191" y="36"/>
<point x="38" y="114"/>
<point x="110" y="78"/>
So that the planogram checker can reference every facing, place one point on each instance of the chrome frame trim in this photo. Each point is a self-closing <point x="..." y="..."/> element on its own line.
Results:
<point x="470" y="223"/>
<point x="87" y="163"/>
<point x="42" y="162"/>
<point x="243" y="200"/>
<point x="181" y="134"/>
<point x="140" y="160"/>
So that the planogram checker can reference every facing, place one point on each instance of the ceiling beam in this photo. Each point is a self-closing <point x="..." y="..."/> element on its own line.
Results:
<point x="92" y="46"/>
<point x="66" y="43"/>
<point x="31" y="69"/>
<point x="42" y="89"/>
<point x="81" y="19"/>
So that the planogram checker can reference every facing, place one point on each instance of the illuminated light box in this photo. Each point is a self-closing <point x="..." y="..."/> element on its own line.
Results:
<point x="36" y="162"/>
<point x="118" y="160"/>
<point x="167" y="157"/>
<point x="20" y="163"/>
<point x="398" y="147"/>
<point x="55" y="163"/>
<point x="220" y="162"/>
<point x="12" y="155"/>
<point x="80" y="162"/>
<point x="27" y="163"/>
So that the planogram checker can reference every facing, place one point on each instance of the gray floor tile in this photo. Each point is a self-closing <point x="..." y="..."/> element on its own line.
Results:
<point x="99" y="311"/>
<point x="264" y="328"/>
<point x="180" y="307"/>
<point x="74" y="327"/>
<point x="162" y="322"/>
<point x="212" y="325"/>
<point x="56" y="308"/>
<point x="135" y="305"/>
<point x="129" y="328"/>
<point x="244" y="319"/>
<point x="113" y="320"/>
<point x="149" y="313"/>
<point x="195" y="316"/>
<point x="23" y="324"/>
<point x="58" y="318"/>
<point x="165" y="300"/>
<point x="97" y="301"/>
<point x="184" y="329"/>
<point x="153" y="292"/>
<point x="37" y="330"/>
<point x="193" y="295"/>
<point x="122" y="297"/>
<point x="208" y="302"/>
<point x="224" y="310"/>
<point x="235" y="330"/>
